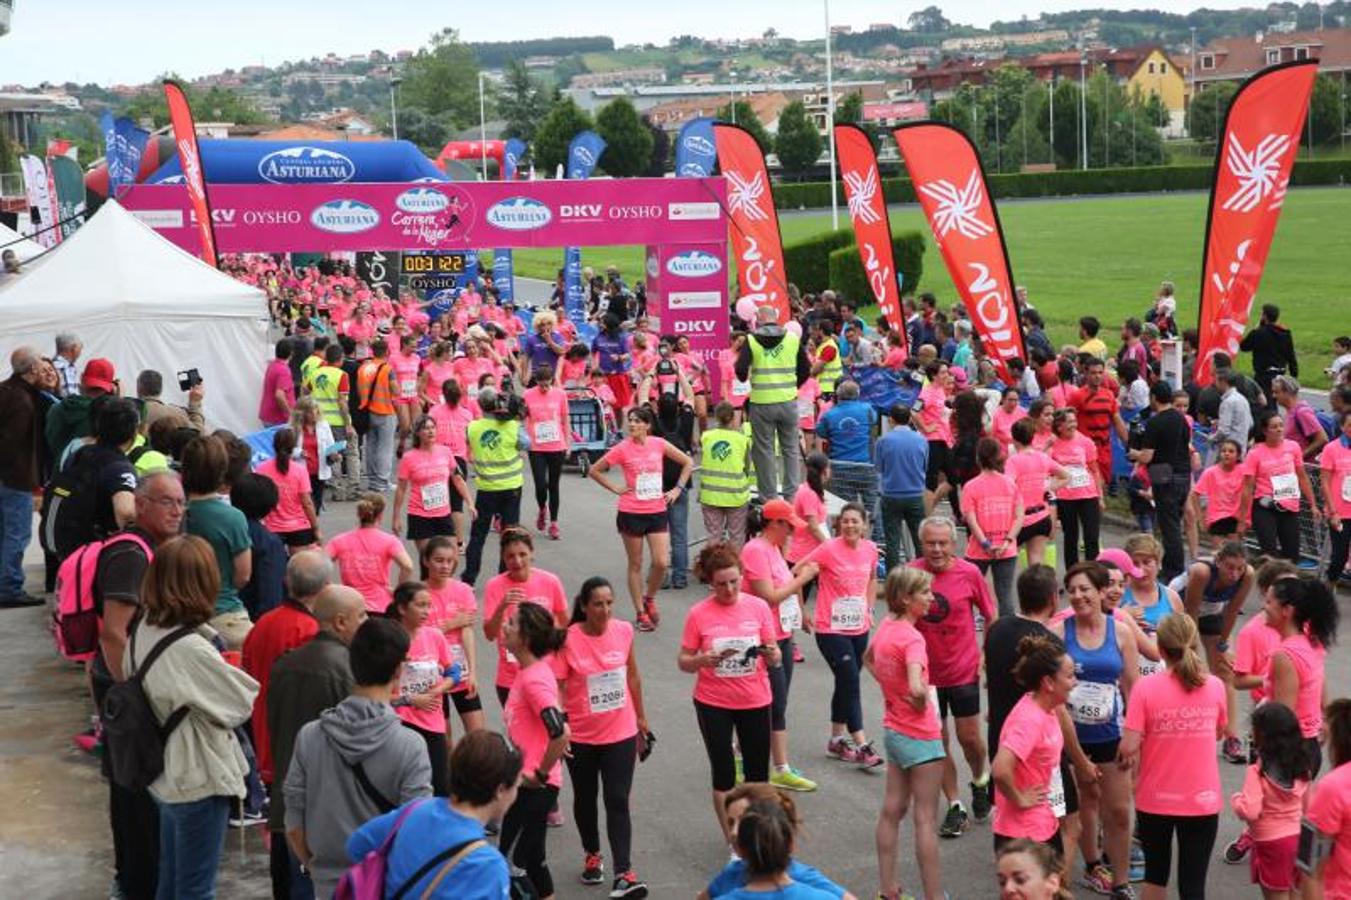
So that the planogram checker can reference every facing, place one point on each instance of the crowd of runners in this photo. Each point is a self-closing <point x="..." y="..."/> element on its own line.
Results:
<point x="248" y="666"/>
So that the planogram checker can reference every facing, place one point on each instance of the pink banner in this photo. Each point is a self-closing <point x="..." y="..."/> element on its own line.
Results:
<point x="689" y="284"/>
<point x="450" y="215"/>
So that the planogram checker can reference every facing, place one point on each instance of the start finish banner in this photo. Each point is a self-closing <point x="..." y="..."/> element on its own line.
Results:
<point x="270" y="218"/>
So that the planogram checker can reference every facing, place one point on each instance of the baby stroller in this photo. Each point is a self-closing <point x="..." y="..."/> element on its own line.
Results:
<point x="592" y="432"/>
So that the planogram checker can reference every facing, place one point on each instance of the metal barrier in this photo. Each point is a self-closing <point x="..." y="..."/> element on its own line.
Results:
<point x="857" y="481"/>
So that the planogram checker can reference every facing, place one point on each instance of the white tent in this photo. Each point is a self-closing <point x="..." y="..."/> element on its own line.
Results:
<point x="24" y="248"/>
<point x="133" y="297"/>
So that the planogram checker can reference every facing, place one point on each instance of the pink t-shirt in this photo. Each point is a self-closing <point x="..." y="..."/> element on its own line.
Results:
<point x="808" y="393"/>
<point x="992" y="499"/>
<point x="842" y="602"/>
<point x="1030" y="470"/>
<point x="896" y="645"/>
<point x="277" y="377"/>
<point x="289" y="514"/>
<point x="1308" y="660"/>
<point x="428" y="475"/>
<point x="1033" y="736"/>
<point x="1330" y="812"/>
<point x="450" y="600"/>
<point x="1274" y="472"/>
<point x="960" y="591"/>
<point x="406" y="371"/>
<point x="806" y="502"/>
<point x="1335" y="462"/>
<point x="594" y="672"/>
<point x="1179" y="772"/>
<point x="733" y="391"/>
<point x="934" y="414"/>
<point x="428" y="657"/>
<point x="535" y="690"/>
<point x="761" y="560"/>
<point x="1080" y="456"/>
<point x="541" y="588"/>
<point x="1222" y="491"/>
<point x="1001" y="426"/>
<point x="572" y="371"/>
<point x="452" y="427"/>
<point x="1253" y="647"/>
<point x="468" y="370"/>
<point x="546" y="418"/>
<point x="437" y="374"/>
<point x="736" y="682"/>
<point x="642" y="465"/>
<point x="364" y="556"/>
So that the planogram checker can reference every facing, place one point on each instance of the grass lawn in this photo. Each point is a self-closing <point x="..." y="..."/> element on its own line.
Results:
<point x="1106" y="257"/>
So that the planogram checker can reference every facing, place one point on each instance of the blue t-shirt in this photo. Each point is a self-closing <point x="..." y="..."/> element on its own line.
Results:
<point x="430" y="829"/>
<point x="902" y="459"/>
<point x="730" y="881"/>
<point x="608" y="348"/>
<point x="266" y="586"/>
<point x="849" y="427"/>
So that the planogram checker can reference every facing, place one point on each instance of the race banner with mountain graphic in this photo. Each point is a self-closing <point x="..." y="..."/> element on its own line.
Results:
<point x="950" y="184"/>
<point x="868" y="213"/>
<point x="1252" y="172"/>
<point x="754" y="221"/>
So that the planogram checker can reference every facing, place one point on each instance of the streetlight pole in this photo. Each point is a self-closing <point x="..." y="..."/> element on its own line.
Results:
<point x="1106" y="117"/>
<point x="394" y="82"/>
<point x="482" y="128"/>
<point x="1191" y="94"/>
<point x="830" y="124"/>
<point x="1083" y="114"/>
<point x="1050" y="92"/>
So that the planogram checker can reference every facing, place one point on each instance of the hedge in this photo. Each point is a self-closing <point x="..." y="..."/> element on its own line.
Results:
<point x="808" y="260"/>
<point x="1069" y="182"/>
<point x="848" y="279"/>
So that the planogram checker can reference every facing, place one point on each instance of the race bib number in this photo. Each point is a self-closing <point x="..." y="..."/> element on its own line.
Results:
<point x="547" y="432"/>
<point x="1346" y="489"/>
<point x="1286" y="487"/>
<point x="846" y="614"/>
<point x="435" y="495"/>
<point x="457" y="656"/>
<point x="1092" y="703"/>
<point x="735" y="665"/>
<point x="1150" y="666"/>
<point x="933" y="698"/>
<point x="419" y="677"/>
<point x="790" y="614"/>
<point x="1079" y="477"/>
<point x="407" y="389"/>
<point x="648" y="486"/>
<point x="741" y="388"/>
<point x="607" y="691"/>
<point x="1055" y="793"/>
<point x="805" y="409"/>
<point x="511" y="657"/>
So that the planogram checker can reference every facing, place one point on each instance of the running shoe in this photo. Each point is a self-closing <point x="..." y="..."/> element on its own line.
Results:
<point x="593" y="869"/>
<point x="1098" y="879"/>
<point x="954" y="821"/>
<point x="541" y="520"/>
<point x="247" y="818"/>
<point x="1123" y="892"/>
<point x="981" y="801"/>
<point x="1137" y="864"/>
<point x="791" y="779"/>
<point x="554" y="533"/>
<point x="555" y="818"/>
<point x="1237" y="850"/>
<point x="1233" y="751"/>
<point x="650" y="609"/>
<point x="842" y="748"/>
<point x="645" y="623"/>
<point x="867" y="757"/>
<point x="628" y="887"/>
<point x="797" y="654"/>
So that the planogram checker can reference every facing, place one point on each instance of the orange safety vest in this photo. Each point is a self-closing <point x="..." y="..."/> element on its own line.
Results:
<point x="373" y="391"/>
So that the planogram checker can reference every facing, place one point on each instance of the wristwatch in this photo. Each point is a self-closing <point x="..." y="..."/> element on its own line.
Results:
<point x="1222" y="646"/>
<point x="542" y="776"/>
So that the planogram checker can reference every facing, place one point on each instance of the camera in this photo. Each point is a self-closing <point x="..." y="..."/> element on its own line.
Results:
<point x="189" y="379"/>
<point x="508" y="406"/>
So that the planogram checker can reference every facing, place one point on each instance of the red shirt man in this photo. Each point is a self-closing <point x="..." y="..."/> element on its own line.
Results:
<point x="1095" y="407"/>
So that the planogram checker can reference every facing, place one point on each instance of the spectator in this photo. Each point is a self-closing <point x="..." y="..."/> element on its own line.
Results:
<point x="378" y="385"/>
<point x="149" y="386"/>
<point x="204" y="766"/>
<point x="1335" y="467"/>
<point x="73" y="417"/>
<point x="1272" y="348"/>
<point x="1340" y="366"/>
<point x="1301" y="422"/>
<point x="1234" y="420"/>
<point x="860" y="352"/>
<point x="304" y="682"/>
<point x="847" y="426"/>
<point x="1089" y="326"/>
<point x="356" y="761"/>
<point x="774" y="361"/>
<point x="902" y="460"/>
<point x="1134" y="394"/>
<point x="279" y="387"/>
<point x="256" y="497"/>
<point x="226" y="531"/>
<point x="1131" y="345"/>
<point x="114" y="432"/>
<point x="964" y="357"/>
<point x="1166" y="454"/>
<point x="1035" y="334"/>
<point x="68" y="350"/>
<point x="1098" y="414"/>
<point x="21" y="471"/>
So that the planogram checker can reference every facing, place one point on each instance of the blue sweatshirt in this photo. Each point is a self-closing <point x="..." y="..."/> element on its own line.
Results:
<point x="430" y="829"/>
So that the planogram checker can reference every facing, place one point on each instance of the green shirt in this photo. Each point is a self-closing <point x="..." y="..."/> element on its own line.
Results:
<point x="222" y="526"/>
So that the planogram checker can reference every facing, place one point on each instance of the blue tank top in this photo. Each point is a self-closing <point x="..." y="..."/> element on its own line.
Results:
<point x="1095" y="703"/>
<point x="1213" y="599"/>
<point x="1153" y="614"/>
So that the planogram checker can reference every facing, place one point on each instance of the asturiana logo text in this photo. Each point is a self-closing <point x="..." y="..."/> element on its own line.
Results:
<point x="345" y="217"/>
<point x="519" y="214"/>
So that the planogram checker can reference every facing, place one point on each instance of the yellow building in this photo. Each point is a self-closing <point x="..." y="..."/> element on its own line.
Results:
<point x="1156" y="75"/>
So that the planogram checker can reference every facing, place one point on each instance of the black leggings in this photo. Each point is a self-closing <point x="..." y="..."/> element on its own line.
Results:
<point x="780" y="679"/>
<point x="524" y="832"/>
<point x="607" y="767"/>
<point x="716" y="724"/>
<point x="1277" y="531"/>
<point x="439" y="755"/>
<point x="1076" y="513"/>
<point x="1195" y="842"/>
<point x="1341" y="544"/>
<point x="547" y="470"/>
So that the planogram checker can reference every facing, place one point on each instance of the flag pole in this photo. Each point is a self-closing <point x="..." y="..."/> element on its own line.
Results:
<point x="830" y="126"/>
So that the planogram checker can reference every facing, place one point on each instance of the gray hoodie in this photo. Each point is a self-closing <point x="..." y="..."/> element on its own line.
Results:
<point x="322" y="793"/>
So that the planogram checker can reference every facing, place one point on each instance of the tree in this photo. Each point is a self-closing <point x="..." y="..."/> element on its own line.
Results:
<point x="628" y="142"/>
<point x="929" y="20"/>
<point x="443" y="80"/>
<point x="564" y="121"/>
<point x="661" y="149"/>
<point x="428" y="132"/>
<point x="849" y="111"/>
<point x="1325" y="111"/>
<point x="522" y="101"/>
<point x="799" y="143"/>
<point x="218" y="105"/>
<point x="1025" y="144"/>
<point x="746" y="118"/>
<point x="1208" y="108"/>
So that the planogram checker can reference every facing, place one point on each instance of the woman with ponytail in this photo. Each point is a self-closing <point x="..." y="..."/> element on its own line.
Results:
<point x="1304" y="612"/>
<point x="1330" y="810"/>
<point x="1172" y="722"/>
<point x="293" y="519"/>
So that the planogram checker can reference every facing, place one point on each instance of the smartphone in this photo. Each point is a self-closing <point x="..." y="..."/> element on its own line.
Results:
<point x="1314" y="847"/>
<point x="189" y="379"/>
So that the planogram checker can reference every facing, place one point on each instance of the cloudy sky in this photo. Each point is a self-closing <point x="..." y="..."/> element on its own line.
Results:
<point x="132" y="41"/>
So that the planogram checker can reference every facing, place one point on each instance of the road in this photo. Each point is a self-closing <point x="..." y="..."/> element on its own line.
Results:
<point x="56" y="840"/>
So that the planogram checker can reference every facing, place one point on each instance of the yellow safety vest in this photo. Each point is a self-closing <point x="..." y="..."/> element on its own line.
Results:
<point x="834" y="369"/>
<point x="494" y="451"/>
<point x="722" y="468"/>
<point x="774" y="370"/>
<point x="327" y="394"/>
<point x="308" y="366"/>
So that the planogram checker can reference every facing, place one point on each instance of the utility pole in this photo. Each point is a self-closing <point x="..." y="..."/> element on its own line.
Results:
<point x="830" y="125"/>
<point x="1051" y="93"/>
<point x="1191" y="94"/>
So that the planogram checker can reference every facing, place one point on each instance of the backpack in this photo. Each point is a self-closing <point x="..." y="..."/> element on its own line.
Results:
<point x="365" y="880"/>
<point x="134" y="736"/>
<point x="76" y="618"/>
<point x="70" y="507"/>
<point x="1325" y="420"/>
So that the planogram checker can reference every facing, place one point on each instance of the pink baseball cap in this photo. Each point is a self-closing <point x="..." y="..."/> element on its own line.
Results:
<point x="1122" y="560"/>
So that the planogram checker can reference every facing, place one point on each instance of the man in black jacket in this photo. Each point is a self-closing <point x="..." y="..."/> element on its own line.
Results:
<point x="22" y="411"/>
<point x="1273" y="350"/>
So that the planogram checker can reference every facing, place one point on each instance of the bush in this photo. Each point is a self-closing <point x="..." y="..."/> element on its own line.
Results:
<point x="848" y="279"/>
<point x="808" y="261"/>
